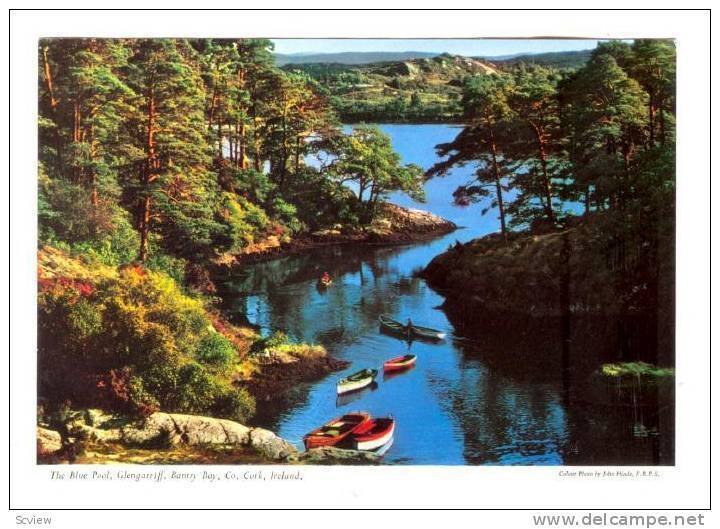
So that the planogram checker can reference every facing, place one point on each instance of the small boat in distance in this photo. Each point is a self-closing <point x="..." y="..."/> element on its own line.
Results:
<point x="335" y="431"/>
<point x="410" y="331"/>
<point x="356" y="381"/>
<point x="400" y="362"/>
<point x="324" y="281"/>
<point x="373" y="434"/>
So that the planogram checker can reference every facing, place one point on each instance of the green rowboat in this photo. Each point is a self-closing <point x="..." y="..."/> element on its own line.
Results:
<point x="356" y="381"/>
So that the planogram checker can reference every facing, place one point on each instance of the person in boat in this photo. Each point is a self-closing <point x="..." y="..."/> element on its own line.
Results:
<point x="325" y="278"/>
<point x="409" y="326"/>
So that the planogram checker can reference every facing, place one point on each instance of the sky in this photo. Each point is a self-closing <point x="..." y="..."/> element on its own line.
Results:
<point x="471" y="47"/>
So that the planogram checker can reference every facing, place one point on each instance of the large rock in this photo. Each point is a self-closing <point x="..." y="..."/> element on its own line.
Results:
<point x="48" y="441"/>
<point x="197" y="430"/>
<point x="156" y="430"/>
<point x="329" y="455"/>
<point x="270" y="445"/>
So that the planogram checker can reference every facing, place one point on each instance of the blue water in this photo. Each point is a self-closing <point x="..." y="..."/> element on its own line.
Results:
<point x="452" y="407"/>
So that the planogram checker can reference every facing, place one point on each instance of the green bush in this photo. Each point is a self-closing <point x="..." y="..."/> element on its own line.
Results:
<point x="276" y="339"/>
<point x="215" y="350"/>
<point x="234" y="403"/>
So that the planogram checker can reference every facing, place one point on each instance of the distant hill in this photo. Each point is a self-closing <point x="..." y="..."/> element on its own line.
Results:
<point x="351" y="57"/>
<point x="426" y="89"/>
<point x="556" y="59"/>
<point x="380" y="87"/>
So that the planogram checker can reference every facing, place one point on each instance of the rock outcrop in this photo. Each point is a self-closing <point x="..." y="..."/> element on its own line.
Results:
<point x="48" y="441"/>
<point x="161" y="430"/>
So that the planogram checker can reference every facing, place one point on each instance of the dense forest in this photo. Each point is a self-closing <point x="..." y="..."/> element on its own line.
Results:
<point x="159" y="156"/>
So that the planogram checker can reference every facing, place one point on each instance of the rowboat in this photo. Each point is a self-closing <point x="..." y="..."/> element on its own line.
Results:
<point x="384" y="448"/>
<point x="356" y="381"/>
<point x="336" y="430"/>
<point x="412" y="331"/>
<point x="400" y="362"/>
<point x="373" y="434"/>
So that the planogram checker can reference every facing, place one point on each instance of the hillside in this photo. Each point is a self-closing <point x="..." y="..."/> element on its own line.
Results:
<point x="416" y="90"/>
<point x="559" y="59"/>
<point x="350" y="57"/>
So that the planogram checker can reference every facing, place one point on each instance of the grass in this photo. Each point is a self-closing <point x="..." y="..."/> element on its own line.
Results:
<point x="636" y="369"/>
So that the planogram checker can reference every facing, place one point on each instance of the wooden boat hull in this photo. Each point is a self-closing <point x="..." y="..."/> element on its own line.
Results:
<point x="384" y="448"/>
<point x="347" y="386"/>
<point x="399" y="363"/>
<point x="417" y="331"/>
<point x="336" y="431"/>
<point x="373" y="434"/>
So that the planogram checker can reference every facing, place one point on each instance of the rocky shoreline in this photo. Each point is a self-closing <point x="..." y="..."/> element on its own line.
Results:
<point x="93" y="436"/>
<point x="580" y="284"/>
<point x="394" y="225"/>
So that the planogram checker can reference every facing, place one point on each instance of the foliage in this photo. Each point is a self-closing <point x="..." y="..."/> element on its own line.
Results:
<point x="132" y="340"/>
<point x="215" y="350"/>
<point x="276" y="339"/>
<point x="635" y="369"/>
<point x="366" y="158"/>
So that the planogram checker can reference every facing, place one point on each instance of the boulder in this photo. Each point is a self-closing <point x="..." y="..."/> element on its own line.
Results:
<point x="163" y="429"/>
<point x="158" y="430"/>
<point x="48" y="441"/>
<point x="270" y="445"/>
<point x="198" y="430"/>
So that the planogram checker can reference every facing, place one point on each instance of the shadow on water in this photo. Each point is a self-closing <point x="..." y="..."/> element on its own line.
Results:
<point x="349" y="398"/>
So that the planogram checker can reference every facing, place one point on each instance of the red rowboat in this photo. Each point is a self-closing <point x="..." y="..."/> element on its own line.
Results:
<point x="400" y="362"/>
<point x="336" y="430"/>
<point x="373" y="434"/>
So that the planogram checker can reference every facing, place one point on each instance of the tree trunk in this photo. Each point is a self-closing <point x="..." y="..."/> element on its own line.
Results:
<point x="498" y="184"/>
<point x="547" y="186"/>
<point x="662" y="127"/>
<point x="220" y="140"/>
<point x="76" y="140"/>
<point x="651" y="120"/>
<point x="148" y="176"/>
<point x="53" y="108"/>
<point x="242" y="157"/>
<point x="298" y="143"/>
<point x="587" y="199"/>
<point x="92" y="177"/>
<point x="144" y="228"/>
<point x="256" y="144"/>
<point x="49" y="80"/>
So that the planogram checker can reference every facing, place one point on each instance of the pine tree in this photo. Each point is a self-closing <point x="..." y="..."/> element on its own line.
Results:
<point x="170" y="185"/>
<point x="538" y="141"/>
<point x="481" y="142"/>
<point x="607" y="116"/>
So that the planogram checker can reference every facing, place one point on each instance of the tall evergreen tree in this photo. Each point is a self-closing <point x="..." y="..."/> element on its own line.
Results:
<point x="538" y="141"/>
<point x="170" y="185"/>
<point x="607" y="116"/>
<point x="481" y="142"/>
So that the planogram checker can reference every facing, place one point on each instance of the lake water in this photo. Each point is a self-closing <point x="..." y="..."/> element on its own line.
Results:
<point x="454" y="406"/>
